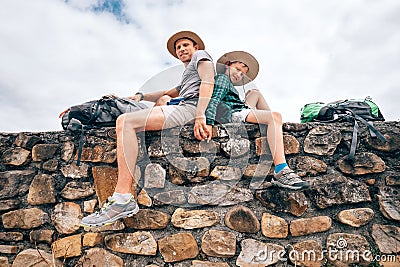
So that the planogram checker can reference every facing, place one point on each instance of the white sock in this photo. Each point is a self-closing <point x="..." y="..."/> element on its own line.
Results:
<point x="121" y="198"/>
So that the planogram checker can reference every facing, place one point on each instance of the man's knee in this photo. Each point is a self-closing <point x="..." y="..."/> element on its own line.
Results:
<point x="162" y="101"/>
<point x="119" y="124"/>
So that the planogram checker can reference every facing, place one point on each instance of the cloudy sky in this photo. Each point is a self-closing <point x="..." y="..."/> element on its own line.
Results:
<point x="57" y="53"/>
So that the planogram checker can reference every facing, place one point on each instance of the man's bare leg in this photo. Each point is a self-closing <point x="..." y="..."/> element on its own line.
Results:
<point x="122" y="203"/>
<point x="128" y="125"/>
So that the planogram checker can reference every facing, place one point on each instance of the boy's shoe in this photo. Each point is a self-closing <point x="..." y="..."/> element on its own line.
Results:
<point x="110" y="212"/>
<point x="286" y="178"/>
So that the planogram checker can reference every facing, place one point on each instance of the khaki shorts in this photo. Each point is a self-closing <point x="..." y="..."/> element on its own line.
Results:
<point x="241" y="116"/>
<point x="179" y="115"/>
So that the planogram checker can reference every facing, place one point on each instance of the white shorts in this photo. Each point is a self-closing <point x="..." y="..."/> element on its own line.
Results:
<point x="241" y="116"/>
<point x="179" y="115"/>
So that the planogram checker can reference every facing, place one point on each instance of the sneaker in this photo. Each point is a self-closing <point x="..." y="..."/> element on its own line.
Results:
<point x="288" y="179"/>
<point x="110" y="212"/>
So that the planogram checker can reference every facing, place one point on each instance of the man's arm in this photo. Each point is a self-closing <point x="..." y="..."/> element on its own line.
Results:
<point x="206" y="74"/>
<point x="153" y="97"/>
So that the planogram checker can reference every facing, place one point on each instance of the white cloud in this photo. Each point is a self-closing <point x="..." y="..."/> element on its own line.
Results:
<point x="56" y="54"/>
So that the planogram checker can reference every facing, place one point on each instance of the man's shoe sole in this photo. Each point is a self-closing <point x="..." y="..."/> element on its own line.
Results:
<point x="277" y="183"/>
<point x="112" y="220"/>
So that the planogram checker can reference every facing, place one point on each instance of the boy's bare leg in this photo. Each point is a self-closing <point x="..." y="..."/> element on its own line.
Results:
<point x="255" y="99"/>
<point x="274" y="131"/>
<point x="286" y="177"/>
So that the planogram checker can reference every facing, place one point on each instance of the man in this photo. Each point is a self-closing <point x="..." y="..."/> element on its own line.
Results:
<point x="196" y="88"/>
<point x="236" y="69"/>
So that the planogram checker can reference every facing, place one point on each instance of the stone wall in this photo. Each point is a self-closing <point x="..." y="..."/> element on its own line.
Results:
<point x="203" y="204"/>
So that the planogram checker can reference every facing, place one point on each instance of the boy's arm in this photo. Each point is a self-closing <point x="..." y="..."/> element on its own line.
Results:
<point x="219" y="92"/>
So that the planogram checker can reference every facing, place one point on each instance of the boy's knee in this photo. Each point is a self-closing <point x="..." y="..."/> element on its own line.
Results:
<point x="253" y="92"/>
<point x="277" y="117"/>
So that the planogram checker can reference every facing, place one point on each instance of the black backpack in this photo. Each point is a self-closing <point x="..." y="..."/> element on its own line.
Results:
<point x="96" y="114"/>
<point x="364" y="111"/>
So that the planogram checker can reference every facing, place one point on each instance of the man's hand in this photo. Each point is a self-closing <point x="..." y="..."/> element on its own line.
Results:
<point x="201" y="129"/>
<point x="110" y="96"/>
<point x="136" y="97"/>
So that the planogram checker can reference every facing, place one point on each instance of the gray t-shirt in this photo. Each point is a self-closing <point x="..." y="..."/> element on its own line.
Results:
<point x="190" y="83"/>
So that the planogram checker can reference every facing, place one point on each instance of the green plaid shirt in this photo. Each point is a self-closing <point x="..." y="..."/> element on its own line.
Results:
<point x="224" y="101"/>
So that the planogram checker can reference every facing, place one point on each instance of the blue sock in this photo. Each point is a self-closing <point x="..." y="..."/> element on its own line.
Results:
<point x="280" y="167"/>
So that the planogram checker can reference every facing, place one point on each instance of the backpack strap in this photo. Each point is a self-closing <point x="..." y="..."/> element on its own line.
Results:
<point x="78" y="161"/>
<point x="95" y="113"/>
<point x="373" y="132"/>
<point x="353" y="145"/>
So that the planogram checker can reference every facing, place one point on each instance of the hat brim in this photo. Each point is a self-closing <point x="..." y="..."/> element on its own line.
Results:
<point x="181" y="35"/>
<point x="241" y="56"/>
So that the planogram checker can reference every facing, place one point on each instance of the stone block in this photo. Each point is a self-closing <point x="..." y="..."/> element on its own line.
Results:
<point x="364" y="163"/>
<point x="256" y="253"/>
<point x="11" y="236"/>
<point x="24" y="218"/>
<point x="242" y="219"/>
<point x="27" y="141"/>
<point x="15" y="156"/>
<point x="15" y="183"/>
<point x="154" y="176"/>
<point x="43" y="235"/>
<point x="148" y="219"/>
<point x="139" y="243"/>
<point x="77" y="190"/>
<point x="389" y="202"/>
<point x="189" y="170"/>
<point x="67" y="247"/>
<point x="294" y="202"/>
<point x="216" y="243"/>
<point x="67" y="217"/>
<point x="310" y="225"/>
<point x="356" y="217"/>
<point x="43" y="152"/>
<point x="73" y="171"/>
<point x="8" y="249"/>
<point x="305" y="165"/>
<point x="100" y="257"/>
<point x="178" y="247"/>
<point x="37" y="258"/>
<point x="192" y="219"/>
<point x="387" y="238"/>
<point x="335" y="189"/>
<point x="41" y="190"/>
<point x="273" y="226"/>
<point x="236" y="147"/>
<point x="322" y="140"/>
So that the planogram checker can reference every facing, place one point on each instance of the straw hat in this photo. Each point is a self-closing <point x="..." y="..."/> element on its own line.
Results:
<point x="180" y="35"/>
<point x="243" y="57"/>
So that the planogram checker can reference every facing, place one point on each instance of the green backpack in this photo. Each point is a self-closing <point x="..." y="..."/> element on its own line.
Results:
<point x="341" y="110"/>
<point x="355" y="110"/>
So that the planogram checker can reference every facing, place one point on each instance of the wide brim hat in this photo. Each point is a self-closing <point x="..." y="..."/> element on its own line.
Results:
<point x="241" y="56"/>
<point x="181" y="35"/>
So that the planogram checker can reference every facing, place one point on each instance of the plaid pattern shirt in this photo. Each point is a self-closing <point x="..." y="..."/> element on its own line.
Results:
<point x="225" y="97"/>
